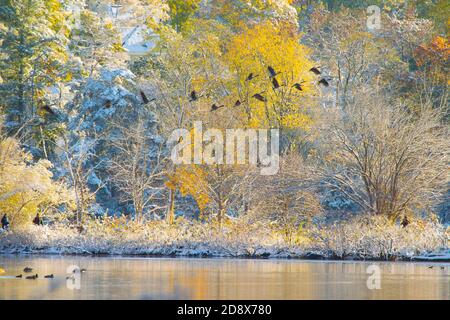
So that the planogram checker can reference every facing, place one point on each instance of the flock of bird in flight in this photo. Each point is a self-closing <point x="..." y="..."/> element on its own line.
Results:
<point x="194" y="96"/>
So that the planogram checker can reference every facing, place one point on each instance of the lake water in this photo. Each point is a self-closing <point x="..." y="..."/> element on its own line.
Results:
<point x="178" y="278"/>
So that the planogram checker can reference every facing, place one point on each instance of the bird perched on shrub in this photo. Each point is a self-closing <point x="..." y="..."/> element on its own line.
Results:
<point x="405" y="222"/>
<point x="37" y="220"/>
<point x="5" y="222"/>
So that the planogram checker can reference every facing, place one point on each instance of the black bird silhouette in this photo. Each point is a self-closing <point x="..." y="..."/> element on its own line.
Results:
<point x="47" y="109"/>
<point x="405" y="222"/>
<point x="430" y="267"/>
<point x="37" y="220"/>
<point x="275" y="83"/>
<point x="144" y="98"/>
<point x="5" y="222"/>
<point x="32" y="277"/>
<point x="194" y="96"/>
<point x="27" y="270"/>
<point x="251" y="76"/>
<point x="49" y="276"/>
<point x="298" y="86"/>
<point x="259" y="97"/>
<point x="19" y="276"/>
<point x="315" y="70"/>
<point x="442" y="268"/>
<point x="324" y="82"/>
<point x="80" y="229"/>
<point x="108" y="104"/>
<point x="215" y="107"/>
<point x="272" y="72"/>
<point x="239" y="103"/>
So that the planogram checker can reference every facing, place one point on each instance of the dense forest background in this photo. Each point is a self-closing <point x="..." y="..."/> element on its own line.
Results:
<point x="363" y="115"/>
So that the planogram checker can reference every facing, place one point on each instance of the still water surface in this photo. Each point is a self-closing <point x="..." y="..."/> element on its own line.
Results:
<point x="177" y="278"/>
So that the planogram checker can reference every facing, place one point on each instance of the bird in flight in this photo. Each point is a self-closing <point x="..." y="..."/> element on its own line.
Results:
<point x="272" y="72"/>
<point x="260" y="97"/>
<point x="194" y="96"/>
<point x="315" y="70"/>
<point x="49" y="110"/>
<point x="275" y="83"/>
<point x="215" y="107"/>
<point x="145" y="100"/>
<point x="251" y="76"/>
<point x="324" y="82"/>
<point x="298" y="86"/>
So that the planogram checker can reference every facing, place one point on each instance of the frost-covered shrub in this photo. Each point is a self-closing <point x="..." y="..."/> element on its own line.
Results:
<point x="378" y="237"/>
<point x="27" y="187"/>
<point x="360" y="238"/>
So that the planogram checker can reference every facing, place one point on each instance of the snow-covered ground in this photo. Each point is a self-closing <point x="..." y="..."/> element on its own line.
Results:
<point x="349" y="241"/>
<point x="441" y="255"/>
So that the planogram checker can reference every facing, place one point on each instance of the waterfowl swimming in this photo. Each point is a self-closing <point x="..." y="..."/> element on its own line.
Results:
<point x="49" y="276"/>
<point x="79" y="270"/>
<point x="28" y="269"/>
<point x="430" y="267"/>
<point x="32" y="277"/>
<point x="19" y="276"/>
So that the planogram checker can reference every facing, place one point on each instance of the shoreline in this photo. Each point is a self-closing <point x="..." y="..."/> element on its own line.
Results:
<point x="307" y="256"/>
<point x="351" y="241"/>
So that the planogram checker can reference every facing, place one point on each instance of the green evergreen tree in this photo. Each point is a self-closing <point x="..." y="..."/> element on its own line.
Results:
<point x="34" y="35"/>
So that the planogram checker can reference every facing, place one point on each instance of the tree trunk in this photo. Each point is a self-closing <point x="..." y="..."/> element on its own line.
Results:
<point x="171" y="209"/>
<point x="221" y="214"/>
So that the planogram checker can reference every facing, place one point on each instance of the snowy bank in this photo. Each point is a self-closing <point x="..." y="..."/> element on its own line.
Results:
<point x="356" y="240"/>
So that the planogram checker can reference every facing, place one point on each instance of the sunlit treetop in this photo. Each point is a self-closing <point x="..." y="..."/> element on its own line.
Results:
<point x="253" y="52"/>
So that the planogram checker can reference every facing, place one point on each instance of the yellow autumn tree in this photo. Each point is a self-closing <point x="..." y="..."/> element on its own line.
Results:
<point x="285" y="102"/>
<point x="433" y="58"/>
<point x="241" y="13"/>
<point x="26" y="188"/>
<point x="190" y="180"/>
